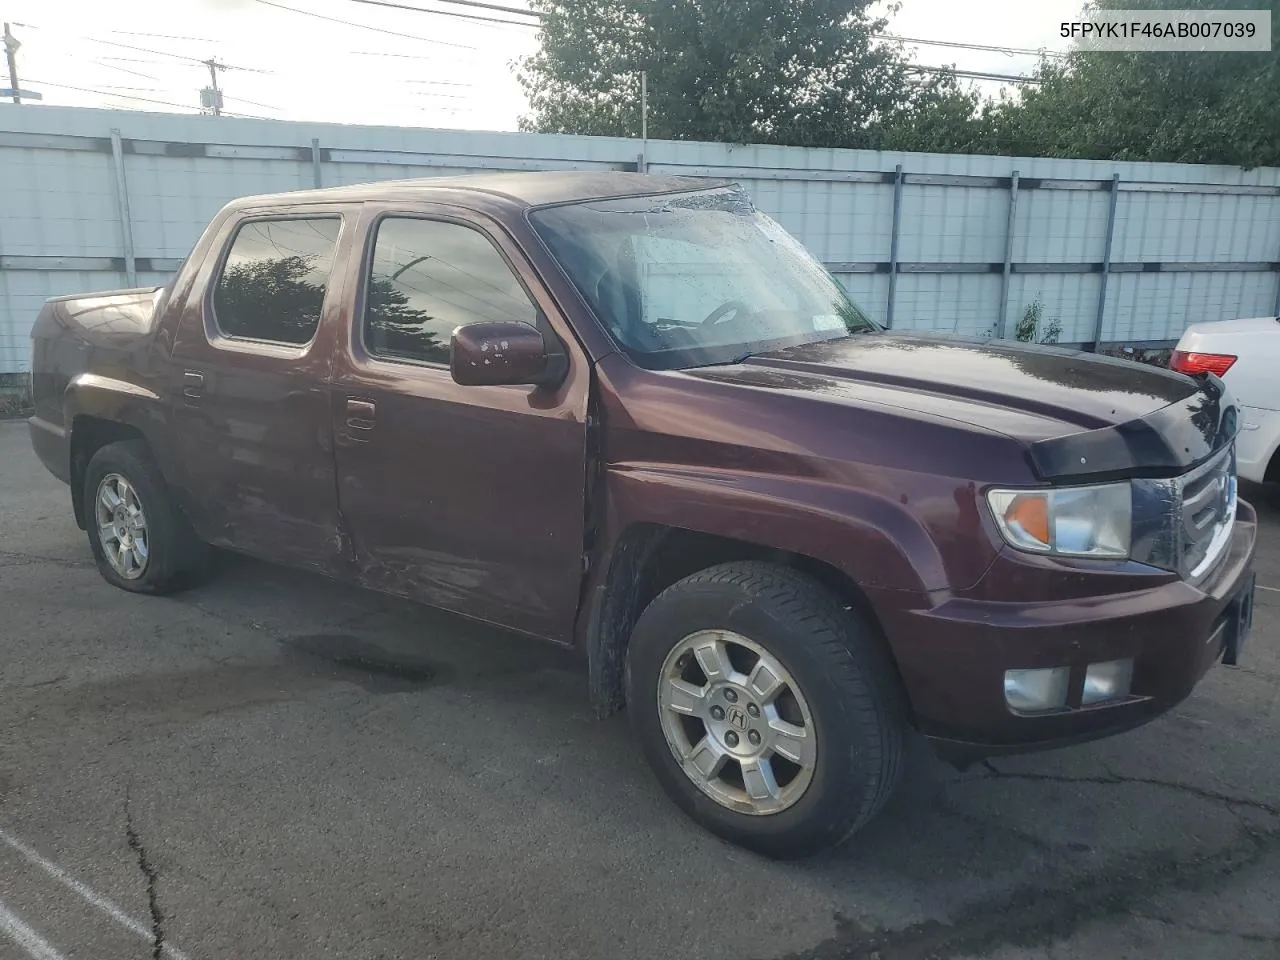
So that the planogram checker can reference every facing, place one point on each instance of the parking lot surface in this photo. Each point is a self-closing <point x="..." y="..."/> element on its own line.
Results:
<point x="275" y="766"/>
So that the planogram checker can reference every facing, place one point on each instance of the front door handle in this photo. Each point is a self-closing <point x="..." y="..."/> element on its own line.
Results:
<point x="192" y="384"/>
<point x="360" y="414"/>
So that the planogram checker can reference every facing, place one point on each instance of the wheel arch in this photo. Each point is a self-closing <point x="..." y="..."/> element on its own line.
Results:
<point x="647" y="558"/>
<point x="89" y="434"/>
<point x="99" y="410"/>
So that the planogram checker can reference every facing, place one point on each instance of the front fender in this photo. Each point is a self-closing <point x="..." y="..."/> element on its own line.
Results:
<point x="870" y="537"/>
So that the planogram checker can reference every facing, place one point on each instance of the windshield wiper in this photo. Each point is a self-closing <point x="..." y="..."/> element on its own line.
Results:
<point x="729" y="363"/>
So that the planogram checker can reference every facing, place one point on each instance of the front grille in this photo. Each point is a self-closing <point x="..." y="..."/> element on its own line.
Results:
<point x="1207" y="512"/>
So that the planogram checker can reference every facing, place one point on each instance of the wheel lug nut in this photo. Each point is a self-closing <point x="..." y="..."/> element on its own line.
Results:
<point x="717" y="712"/>
<point x="731" y="738"/>
<point x="731" y="695"/>
<point x="754" y="737"/>
<point x="753" y="709"/>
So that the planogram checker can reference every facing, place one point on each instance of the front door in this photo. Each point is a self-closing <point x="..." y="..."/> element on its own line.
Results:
<point x="468" y="498"/>
<point x="250" y="394"/>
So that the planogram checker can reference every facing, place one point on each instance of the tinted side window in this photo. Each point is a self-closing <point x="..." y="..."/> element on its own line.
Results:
<point x="428" y="277"/>
<point x="273" y="282"/>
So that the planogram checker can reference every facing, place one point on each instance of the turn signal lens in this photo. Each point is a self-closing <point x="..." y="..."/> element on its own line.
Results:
<point x="1094" y="521"/>
<point x="1028" y="514"/>
<point x="1215" y="363"/>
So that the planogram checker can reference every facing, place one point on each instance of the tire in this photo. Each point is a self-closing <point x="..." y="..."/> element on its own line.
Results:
<point x="173" y="558"/>
<point x="848" y="698"/>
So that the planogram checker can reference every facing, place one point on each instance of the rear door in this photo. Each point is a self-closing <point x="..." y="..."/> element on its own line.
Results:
<point x="468" y="498"/>
<point x="250" y="397"/>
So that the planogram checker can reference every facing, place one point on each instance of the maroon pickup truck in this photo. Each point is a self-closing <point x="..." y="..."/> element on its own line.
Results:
<point x="631" y="415"/>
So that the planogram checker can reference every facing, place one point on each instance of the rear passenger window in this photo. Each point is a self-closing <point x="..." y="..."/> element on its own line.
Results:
<point x="428" y="277"/>
<point x="273" y="282"/>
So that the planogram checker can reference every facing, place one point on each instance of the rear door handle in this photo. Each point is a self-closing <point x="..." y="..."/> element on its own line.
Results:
<point x="192" y="384"/>
<point x="360" y="414"/>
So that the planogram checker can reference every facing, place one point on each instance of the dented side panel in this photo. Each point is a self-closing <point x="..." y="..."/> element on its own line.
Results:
<point x="470" y="498"/>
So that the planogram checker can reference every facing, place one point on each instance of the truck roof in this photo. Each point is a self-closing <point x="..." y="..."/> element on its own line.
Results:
<point x="517" y="189"/>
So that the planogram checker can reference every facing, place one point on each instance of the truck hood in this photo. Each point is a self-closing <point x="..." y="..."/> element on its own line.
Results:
<point x="1082" y="416"/>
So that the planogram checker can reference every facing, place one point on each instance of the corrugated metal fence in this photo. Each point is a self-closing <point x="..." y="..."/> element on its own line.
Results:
<point x="1117" y="252"/>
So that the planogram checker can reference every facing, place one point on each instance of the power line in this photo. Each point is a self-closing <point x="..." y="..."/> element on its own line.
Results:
<point x="405" y="56"/>
<point x="265" y="106"/>
<point x="450" y="13"/>
<point x="163" y="36"/>
<point x="525" y="12"/>
<point x="1012" y="51"/>
<point x="136" y="73"/>
<point x="103" y="93"/>
<point x="128" y="46"/>
<point x="159" y="53"/>
<point x="974" y="74"/>
<point x="122" y="96"/>
<point x="363" y="26"/>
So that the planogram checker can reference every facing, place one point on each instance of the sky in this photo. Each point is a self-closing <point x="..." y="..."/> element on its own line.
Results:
<point x="382" y="65"/>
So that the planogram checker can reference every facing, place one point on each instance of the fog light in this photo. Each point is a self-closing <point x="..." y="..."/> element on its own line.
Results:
<point x="1107" y="681"/>
<point x="1032" y="691"/>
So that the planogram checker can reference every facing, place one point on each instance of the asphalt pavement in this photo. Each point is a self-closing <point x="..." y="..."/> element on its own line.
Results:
<point x="275" y="766"/>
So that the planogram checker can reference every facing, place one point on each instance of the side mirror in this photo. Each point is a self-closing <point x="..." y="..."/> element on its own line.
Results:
<point x="494" y="353"/>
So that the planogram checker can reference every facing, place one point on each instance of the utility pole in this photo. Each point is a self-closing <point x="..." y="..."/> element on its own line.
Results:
<point x="211" y="96"/>
<point x="11" y="46"/>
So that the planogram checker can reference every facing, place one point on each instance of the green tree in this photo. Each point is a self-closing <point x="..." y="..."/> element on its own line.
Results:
<point x="941" y="117"/>
<point x="801" y="72"/>
<point x="1164" y="107"/>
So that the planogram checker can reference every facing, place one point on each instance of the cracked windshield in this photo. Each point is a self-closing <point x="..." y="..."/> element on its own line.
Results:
<point x="692" y="279"/>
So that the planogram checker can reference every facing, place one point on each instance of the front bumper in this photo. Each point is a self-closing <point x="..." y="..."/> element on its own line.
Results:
<point x="953" y="656"/>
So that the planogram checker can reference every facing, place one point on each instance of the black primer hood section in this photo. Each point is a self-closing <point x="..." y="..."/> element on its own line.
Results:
<point x="1164" y="443"/>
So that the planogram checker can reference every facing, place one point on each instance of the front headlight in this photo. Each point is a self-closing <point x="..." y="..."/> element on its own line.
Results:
<point x="1092" y="521"/>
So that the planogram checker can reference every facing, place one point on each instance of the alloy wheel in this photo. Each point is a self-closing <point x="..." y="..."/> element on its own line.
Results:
<point x="737" y="722"/>
<point x="122" y="526"/>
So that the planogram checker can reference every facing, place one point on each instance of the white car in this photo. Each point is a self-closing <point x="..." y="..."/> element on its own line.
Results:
<point x="1245" y="353"/>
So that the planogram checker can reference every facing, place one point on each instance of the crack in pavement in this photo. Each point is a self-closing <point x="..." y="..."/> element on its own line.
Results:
<point x="944" y="805"/>
<point x="1036" y="914"/>
<point x="152" y="878"/>
<point x="1113" y="779"/>
<point x="32" y="559"/>
<point x="1210" y="931"/>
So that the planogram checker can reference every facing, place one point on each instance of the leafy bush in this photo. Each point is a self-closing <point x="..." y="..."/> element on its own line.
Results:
<point x="1029" y="328"/>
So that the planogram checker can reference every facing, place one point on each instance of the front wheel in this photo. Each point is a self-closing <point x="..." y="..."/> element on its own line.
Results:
<point x="770" y="713"/>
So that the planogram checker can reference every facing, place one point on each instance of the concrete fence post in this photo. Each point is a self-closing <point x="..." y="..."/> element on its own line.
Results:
<point x="1008" y="256"/>
<point x="893" y="246"/>
<point x="1100" y="316"/>
<point x="122" y="199"/>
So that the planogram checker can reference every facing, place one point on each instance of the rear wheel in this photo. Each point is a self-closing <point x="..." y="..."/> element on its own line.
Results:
<point x="140" y="539"/>
<point x="770" y="714"/>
